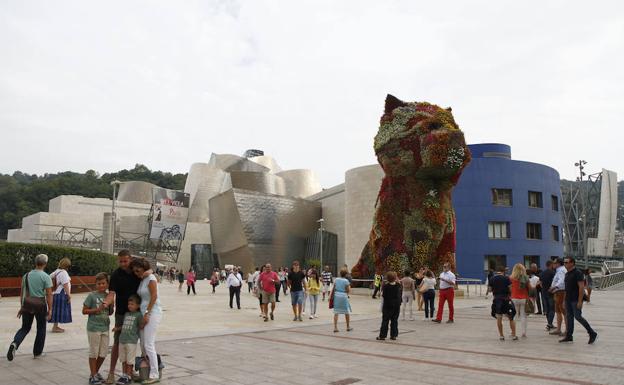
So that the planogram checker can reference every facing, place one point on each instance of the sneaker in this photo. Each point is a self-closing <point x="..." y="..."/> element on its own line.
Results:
<point x="272" y="316"/>
<point x="380" y="338"/>
<point x="123" y="380"/>
<point x="425" y="318"/>
<point x="566" y="339"/>
<point x="393" y="338"/>
<point x="300" y="319"/>
<point x="150" y="381"/>
<point x="11" y="352"/>
<point x="555" y="332"/>
<point x="550" y="327"/>
<point x="99" y="376"/>
<point x="436" y="321"/>
<point x="311" y="317"/>
<point x="38" y="356"/>
<point x="592" y="338"/>
<point x="295" y="318"/>
<point x="94" y="381"/>
<point x="450" y="321"/>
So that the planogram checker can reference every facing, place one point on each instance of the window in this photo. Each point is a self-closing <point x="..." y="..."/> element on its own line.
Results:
<point x="498" y="230"/>
<point x="554" y="200"/>
<point x="529" y="259"/>
<point x="555" y="233"/>
<point x="534" y="231"/>
<point x="501" y="197"/>
<point x="490" y="262"/>
<point x="535" y="199"/>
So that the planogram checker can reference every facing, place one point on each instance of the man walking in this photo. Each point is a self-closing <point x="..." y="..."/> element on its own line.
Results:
<point x="500" y="286"/>
<point x="234" y="282"/>
<point x="267" y="281"/>
<point x="558" y="289"/>
<point x="447" y="293"/>
<point x="546" y="278"/>
<point x="297" y="285"/>
<point x="575" y="291"/>
<point x="326" y="278"/>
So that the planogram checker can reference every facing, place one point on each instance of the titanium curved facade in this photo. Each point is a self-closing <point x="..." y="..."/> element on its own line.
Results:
<point x="136" y="192"/>
<point x="300" y="183"/>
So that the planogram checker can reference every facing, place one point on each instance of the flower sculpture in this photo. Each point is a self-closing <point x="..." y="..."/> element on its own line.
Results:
<point x="422" y="152"/>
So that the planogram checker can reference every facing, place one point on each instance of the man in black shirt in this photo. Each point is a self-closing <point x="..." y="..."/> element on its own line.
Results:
<point x="575" y="291"/>
<point x="502" y="305"/>
<point x="123" y="284"/>
<point x="296" y="284"/>
<point x="546" y="278"/>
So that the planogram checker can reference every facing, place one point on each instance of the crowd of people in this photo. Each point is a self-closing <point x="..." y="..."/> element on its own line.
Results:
<point x="131" y="294"/>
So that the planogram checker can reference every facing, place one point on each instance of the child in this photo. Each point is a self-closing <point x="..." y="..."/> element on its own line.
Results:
<point x="97" y="326"/>
<point x="391" y="295"/>
<point x="129" y="337"/>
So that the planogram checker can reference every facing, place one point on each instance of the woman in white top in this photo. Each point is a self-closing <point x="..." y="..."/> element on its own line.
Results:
<point x="427" y="288"/>
<point x="152" y="315"/>
<point x="61" y="302"/>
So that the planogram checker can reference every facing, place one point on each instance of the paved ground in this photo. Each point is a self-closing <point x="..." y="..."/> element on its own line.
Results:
<point x="203" y="342"/>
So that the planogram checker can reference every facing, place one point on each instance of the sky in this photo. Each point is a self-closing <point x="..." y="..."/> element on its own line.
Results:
<point x="106" y="85"/>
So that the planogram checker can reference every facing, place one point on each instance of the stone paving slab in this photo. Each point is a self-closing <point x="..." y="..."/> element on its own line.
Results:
<point x="309" y="353"/>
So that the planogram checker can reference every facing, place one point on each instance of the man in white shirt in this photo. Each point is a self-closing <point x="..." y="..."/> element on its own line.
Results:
<point x="234" y="282"/>
<point x="447" y="293"/>
<point x="558" y="289"/>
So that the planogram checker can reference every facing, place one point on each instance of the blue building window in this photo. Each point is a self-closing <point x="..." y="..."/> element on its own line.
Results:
<point x="554" y="200"/>
<point x="534" y="231"/>
<point x="491" y="262"/>
<point x="555" y="233"/>
<point x="502" y="197"/>
<point x="529" y="259"/>
<point x="498" y="230"/>
<point x="535" y="199"/>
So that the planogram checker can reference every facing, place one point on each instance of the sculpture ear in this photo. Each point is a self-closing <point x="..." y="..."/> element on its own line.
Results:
<point x="392" y="103"/>
<point x="449" y="109"/>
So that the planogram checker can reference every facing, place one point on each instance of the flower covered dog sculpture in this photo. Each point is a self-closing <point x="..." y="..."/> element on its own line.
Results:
<point x="422" y="152"/>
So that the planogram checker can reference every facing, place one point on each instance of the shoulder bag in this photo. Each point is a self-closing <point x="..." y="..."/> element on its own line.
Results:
<point x="32" y="305"/>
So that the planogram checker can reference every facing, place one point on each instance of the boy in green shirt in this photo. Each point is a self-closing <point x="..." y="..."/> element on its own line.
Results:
<point x="98" y="325"/>
<point x="129" y="337"/>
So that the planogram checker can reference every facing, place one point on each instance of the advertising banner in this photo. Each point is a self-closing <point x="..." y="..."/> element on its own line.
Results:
<point x="169" y="214"/>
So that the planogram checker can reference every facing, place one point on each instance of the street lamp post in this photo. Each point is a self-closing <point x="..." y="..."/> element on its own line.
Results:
<point x="114" y="183"/>
<point x="320" y="221"/>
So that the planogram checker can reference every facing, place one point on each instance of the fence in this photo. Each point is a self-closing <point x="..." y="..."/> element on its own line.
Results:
<point x="609" y="281"/>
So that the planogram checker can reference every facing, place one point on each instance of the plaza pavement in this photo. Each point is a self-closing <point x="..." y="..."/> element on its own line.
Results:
<point x="202" y="341"/>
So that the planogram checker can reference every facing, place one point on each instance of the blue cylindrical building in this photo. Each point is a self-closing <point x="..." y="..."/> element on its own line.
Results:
<point x="507" y="211"/>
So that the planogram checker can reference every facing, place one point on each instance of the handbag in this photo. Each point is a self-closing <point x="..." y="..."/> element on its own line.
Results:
<point x="33" y="305"/>
<point x="331" y="300"/>
<point x="529" y="307"/>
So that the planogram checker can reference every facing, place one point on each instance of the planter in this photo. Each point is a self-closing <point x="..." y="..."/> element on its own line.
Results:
<point x="10" y="286"/>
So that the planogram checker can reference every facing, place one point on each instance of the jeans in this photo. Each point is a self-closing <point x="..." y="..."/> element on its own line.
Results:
<point x="249" y="287"/>
<point x="572" y="312"/>
<point x="148" y="343"/>
<point x="520" y="305"/>
<point x="313" y="302"/>
<point x="235" y="291"/>
<point x="446" y="295"/>
<point x="390" y="315"/>
<point x="549" y="306"/>
<point x="429" y="297"/>
<point x="27" y="321"/>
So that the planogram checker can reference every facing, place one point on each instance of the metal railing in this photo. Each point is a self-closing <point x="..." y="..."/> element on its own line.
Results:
<point x="609" y="281"/>
<point x="470" y="282"/>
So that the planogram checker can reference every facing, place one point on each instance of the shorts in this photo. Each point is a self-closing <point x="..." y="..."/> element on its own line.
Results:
<point x="119" y="318"/>
<point x="296" y="297"/>
<point x="267" y="297"/>
<point x="98" y="344"/>
<point x="503" y="306"/>
<point x="127" y="353"/>
<point x="326" y="286"/>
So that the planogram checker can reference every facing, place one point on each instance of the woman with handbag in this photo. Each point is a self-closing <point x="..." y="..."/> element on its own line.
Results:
<point x="339" y="299"/>
<point x="61" y="300"/>
<point x="520" y="286"/>
<point x="36" y="298"/>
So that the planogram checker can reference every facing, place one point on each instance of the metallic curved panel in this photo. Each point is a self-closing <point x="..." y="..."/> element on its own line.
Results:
<point x="274" y="228"/>
<point x="136" y="191"/>
<point x="258" y="181"/>
<point x="202" y="183"/>
<point x="268" y="162"/>
<point x="229" y="162"/>
<point x="300" y="183"/>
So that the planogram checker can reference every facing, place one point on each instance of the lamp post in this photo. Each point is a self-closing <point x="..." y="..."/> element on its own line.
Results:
<point x="320" y="222"/>
<point x="581" y="222"/>
<point x="114" y="183"/>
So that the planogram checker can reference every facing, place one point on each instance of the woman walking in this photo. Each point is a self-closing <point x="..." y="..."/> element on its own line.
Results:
<point x="152" y="315"/>
<point x="190" y="282"/>
<point x="420" y="275"/>
<point x="214" y="280"/>
<point x="37" y="285"/>
<point x="427" y="288"/>
<point x="391" y="294"/>
<point x="314" y="289"/>
<point x="340" y="295"/>
<point x="520" y="285"/>
<point x="61" y="299"/>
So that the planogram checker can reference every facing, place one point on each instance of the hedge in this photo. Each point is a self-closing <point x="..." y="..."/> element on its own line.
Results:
<point x="18" y="258"/>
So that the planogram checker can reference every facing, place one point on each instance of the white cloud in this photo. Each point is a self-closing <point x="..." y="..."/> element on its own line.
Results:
<point x="106" y="85"/>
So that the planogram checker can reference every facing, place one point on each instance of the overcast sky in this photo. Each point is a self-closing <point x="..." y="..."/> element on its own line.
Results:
<point x="86" y="85"/>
